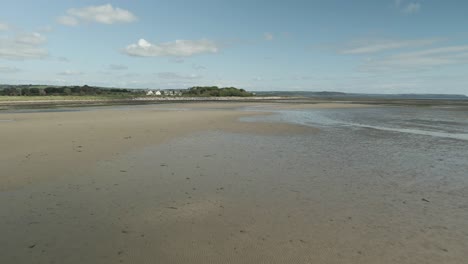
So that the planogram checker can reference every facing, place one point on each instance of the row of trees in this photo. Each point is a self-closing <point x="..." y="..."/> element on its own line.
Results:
<point x="36" y="90"/>
<point x="64" y="90"/>
<point x="216" y="91"/>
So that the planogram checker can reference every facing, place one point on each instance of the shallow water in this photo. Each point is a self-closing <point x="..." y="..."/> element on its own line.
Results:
<point x="435" y="122"/>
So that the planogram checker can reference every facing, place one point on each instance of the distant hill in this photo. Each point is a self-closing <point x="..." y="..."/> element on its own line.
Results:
<point x="328" y="94"/>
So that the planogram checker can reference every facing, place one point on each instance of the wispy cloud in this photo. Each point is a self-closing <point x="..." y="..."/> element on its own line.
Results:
<point x="408" y="7"/>
<point x="177" y="76"/>
<point x="104" y="14"/>
<point x="23" y="46"/>
<point x="31" y="39"/>
<point x="70" y="73"/>
<point x="268" y="36"/>
<point x="178" y="48"/>
<point x="118" y="67"/>
<point x="198" y="67"/>
<point x="412" y="8"/>
<point x="4" y="26"/>
<point x="8" y="69"/>
<point x="298" y="77"/>
<point x="419" y="60"/>
<point x="177" y="60"/>
<point x="379" y="45"/>
<point x="68" y="20"/>
<point x="63" y="59"/>
<point x="45" y="29"/>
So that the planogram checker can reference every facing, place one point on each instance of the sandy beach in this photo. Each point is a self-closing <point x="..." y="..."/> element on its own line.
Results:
<point x="64" y="140"/>
<point x="193" y="183"/>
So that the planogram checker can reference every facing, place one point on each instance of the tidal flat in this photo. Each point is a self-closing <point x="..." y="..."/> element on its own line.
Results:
<point x="239" y="182"/>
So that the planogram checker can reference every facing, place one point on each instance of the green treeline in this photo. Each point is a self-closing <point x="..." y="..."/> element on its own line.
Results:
<point x="43" y="90"/>
<point x="215" y="91"/>
<point x="36" y="90"/>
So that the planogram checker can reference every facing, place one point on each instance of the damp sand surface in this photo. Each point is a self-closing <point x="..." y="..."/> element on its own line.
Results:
<point x="193" y="184"/>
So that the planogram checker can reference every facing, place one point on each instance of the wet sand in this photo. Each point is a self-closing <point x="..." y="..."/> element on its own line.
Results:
<point x="190" y="183"/>
<point x="41" y="145"/>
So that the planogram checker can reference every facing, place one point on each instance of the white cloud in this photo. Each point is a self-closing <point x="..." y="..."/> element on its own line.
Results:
<point x="104" y="14"/>
<point x="178" y="48"/>
<point x="8" y="69"/>
<point x="420" y="60"/>
<point x="117" y="67"/>
<point x="4" y="26"/>
<point x="268" y="36"/>
<point x="70" y="73"/>
<point x="177" y="76"/>
<point x="23" y="46"/>
<point x="374" y="46"/>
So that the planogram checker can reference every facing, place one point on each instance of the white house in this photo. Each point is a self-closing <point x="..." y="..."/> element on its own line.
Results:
<point x="157" y="93"/>
<point x="172" y="93"/>
<point x="149" y="93"/>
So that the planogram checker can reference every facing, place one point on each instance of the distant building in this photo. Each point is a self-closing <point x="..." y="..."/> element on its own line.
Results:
<point x="172" y="93"/>
<point x="153" y="92"/>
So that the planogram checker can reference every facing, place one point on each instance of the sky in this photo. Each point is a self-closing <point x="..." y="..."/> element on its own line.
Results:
<point x="361" y="46"/>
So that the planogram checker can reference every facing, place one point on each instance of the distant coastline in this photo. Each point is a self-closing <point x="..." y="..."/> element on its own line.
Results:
<point x="40" y="96"/>
<point x="85" y="101"/>
<point x="331" y="94"/>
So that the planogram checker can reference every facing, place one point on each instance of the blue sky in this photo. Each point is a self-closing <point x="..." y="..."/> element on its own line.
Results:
<point x="371" y="46"/>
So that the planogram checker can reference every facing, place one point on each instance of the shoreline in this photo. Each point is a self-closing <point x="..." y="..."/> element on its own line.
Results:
<point x="139" y="100"/>
<point x="285" y="102"/>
